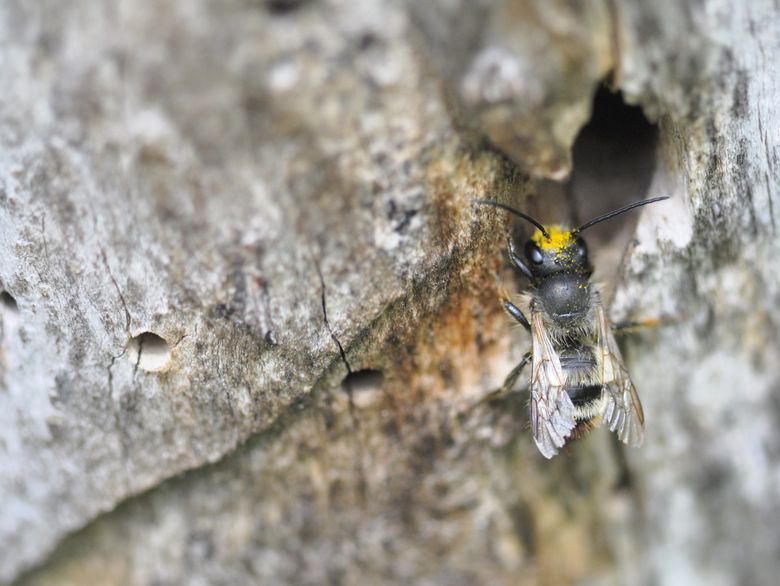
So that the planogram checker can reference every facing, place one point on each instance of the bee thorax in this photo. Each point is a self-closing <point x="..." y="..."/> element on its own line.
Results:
<point x="565" y="296"/>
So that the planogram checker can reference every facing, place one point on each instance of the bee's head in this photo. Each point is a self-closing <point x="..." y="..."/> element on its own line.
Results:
<point x="557" y="250"/>
<point x="558" y="261"/>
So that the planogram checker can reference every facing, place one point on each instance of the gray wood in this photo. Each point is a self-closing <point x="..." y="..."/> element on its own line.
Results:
<point x="281" y="192"/>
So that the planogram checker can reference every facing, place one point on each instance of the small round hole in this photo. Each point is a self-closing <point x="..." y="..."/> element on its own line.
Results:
<point x="364" y="387"/>
<point x="363" y="380"/>
<point x="282" y="7"/>
<point x="8" y="301"/>
<point x="149" y="352"/>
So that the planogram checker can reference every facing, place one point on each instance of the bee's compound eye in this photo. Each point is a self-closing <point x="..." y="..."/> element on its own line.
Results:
<point x="533" y="253"/>
<point x="581" y="248"/>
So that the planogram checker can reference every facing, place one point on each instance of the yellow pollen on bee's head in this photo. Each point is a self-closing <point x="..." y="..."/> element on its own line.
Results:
<point x="559" y="238"/>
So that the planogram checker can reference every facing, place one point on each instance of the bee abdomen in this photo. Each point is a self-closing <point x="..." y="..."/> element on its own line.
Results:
<point x="582" y="395"/>
<point x="579" y="365"/>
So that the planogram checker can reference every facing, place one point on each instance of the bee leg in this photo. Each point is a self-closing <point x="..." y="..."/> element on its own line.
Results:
<point x="512" y="377"/>
<point x="515" y="312"/>
<point x="630" y="327"/>
<point x="516" y="260"/>
<point x="509" y="382"/>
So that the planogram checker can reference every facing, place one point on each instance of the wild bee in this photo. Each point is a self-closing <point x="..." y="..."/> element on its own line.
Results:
<point x="578" y="379"/>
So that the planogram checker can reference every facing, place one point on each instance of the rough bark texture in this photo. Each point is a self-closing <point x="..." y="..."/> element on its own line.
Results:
<point x="211" y="212"/>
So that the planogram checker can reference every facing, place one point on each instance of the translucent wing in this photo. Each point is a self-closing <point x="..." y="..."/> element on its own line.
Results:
<point x="552" y="412"/>
<point x="622" y="409"/>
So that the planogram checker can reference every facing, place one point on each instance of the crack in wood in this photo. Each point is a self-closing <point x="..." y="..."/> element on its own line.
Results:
<point x="128" y="318"/>
<point x="115" y="406"/>
<point x="359" y="464"/>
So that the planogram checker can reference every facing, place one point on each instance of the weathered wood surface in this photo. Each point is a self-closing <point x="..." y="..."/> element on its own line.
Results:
<point x="223" y="175"/>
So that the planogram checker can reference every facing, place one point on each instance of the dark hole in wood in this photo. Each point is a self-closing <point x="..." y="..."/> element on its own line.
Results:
<point x="281" y="7"/>
<point x="614" y="161"/>
<point x="8" y="301"/>
<point x="363" y="380"/>
<point x="613" y="164"/>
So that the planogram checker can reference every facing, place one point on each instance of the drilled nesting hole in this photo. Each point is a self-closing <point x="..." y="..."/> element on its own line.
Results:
<point x="149" y="352"/>
<point x="284" y="7"/>
<point x="10" y="320"/>
<point x="364" y="386"/>
<point x="8" y="302"/>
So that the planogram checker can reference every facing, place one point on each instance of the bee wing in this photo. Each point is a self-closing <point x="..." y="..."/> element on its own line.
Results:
<point x="622" y="409"/>
<point x="552" y="412"/>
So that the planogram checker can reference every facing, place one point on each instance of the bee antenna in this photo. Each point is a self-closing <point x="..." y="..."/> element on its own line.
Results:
<point x="619" y="211"/>
<point x="503" y="206"/>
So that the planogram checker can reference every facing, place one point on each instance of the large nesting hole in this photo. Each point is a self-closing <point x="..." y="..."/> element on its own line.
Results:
<point x="363" y="386"/>
<point x="149" y="352"/>
<point x="614" y="158"/>
<point x="614" y="162"/>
